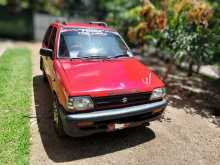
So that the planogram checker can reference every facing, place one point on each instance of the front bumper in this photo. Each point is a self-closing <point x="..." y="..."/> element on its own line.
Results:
<point x="135" y="115"/>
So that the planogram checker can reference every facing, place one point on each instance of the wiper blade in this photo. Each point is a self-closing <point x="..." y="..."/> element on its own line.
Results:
<point x="94" y="57"/>
<point x="121" y="55"/>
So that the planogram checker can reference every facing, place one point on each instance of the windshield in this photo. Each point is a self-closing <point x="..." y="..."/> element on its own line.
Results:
<point x="89" y="43"/>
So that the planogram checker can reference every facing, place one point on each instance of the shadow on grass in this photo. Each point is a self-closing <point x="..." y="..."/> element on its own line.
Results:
<point x="199" y="93"/>
<point x="69" y="149"/>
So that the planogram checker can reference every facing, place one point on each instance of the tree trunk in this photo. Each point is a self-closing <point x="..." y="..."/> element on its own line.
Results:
<point x="13" y="5"/>
<point x="190" y="69"/>
<point x="168" y="70"/>
<point x="198" y="68"/>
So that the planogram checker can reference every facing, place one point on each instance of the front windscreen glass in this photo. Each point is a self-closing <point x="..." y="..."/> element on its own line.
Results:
<point x="89" y="43"/>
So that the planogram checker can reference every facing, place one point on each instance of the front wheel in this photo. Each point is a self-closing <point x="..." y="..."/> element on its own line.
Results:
<point x="57" y="122"/>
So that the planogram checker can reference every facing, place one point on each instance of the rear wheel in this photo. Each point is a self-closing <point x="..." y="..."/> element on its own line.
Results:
<point x="57" y="122"/>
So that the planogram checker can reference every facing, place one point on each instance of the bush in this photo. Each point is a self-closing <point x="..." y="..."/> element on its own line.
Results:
<point x="181" y="27"/>
<point x="18" y="25"/>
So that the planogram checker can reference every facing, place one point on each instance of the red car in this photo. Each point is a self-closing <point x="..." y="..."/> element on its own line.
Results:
<point x="97" y="83"/>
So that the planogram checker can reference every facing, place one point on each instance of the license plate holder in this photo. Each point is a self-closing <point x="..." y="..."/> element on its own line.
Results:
<point x="117" y="126"/>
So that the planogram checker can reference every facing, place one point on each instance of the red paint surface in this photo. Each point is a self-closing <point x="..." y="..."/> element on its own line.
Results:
<point x="105" y="77"/>
<point x="97" y="77"/>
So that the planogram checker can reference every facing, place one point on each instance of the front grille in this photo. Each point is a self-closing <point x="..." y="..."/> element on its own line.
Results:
<point x="119" y="101"/>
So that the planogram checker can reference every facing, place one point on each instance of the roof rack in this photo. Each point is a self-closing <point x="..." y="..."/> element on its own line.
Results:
<point x="61" y="21"/>
<point x="99" y="23"/>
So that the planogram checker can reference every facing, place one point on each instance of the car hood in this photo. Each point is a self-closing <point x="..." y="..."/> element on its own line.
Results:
<point x="108" y="77"/>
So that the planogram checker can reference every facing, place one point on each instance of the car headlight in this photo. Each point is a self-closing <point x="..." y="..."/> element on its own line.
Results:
<point x="80" y="103"/>
<point x="158" y="93"/>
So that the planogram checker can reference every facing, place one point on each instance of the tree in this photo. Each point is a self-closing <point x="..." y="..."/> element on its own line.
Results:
<point x="179" y="26"/>
<point x="121" y="13"/>
<point x="46" y="6"/>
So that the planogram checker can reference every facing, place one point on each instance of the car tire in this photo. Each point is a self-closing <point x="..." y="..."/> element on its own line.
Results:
<point x="57" y="122"/>
<point x="144" y="125"/>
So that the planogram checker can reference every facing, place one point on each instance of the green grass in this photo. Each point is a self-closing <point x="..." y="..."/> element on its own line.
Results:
<point x="15" y="103"/>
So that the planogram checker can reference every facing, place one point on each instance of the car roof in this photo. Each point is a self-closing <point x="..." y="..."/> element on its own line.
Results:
<point x="81" y="25"/>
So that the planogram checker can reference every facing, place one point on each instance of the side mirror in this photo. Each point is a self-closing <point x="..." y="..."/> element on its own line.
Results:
<point x="46" y="52"/>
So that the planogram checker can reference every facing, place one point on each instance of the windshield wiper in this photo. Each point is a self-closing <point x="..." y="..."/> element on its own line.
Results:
<point x="94" y="57"/>
<point x="121" y="55"/>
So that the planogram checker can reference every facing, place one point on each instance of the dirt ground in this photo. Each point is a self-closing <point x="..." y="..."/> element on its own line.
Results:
<point x="180" y="139"/>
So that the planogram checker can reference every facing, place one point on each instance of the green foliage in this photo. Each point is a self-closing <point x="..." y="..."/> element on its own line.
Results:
<point x="72" y="7"/>
<point x="190" y="36"/>
<point x="16" y="25"/>
<point x="2" y="2"/>
<point x="191" y="32"/>
<point x="188" y="42"/>
<point x="45" y="6"/>
<point x="15" y="96"/>
<point x="121" y="13"/>
<point x="215" y="29"/>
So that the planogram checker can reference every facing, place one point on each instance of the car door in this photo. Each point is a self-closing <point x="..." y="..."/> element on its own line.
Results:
<point x="45" y="44"/>
<point x="49" y="60"/>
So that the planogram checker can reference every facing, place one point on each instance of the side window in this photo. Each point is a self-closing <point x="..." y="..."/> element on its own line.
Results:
<point x="52" y="39"/>
<point x="47" y="36"/>
<point x="63" y="48"/>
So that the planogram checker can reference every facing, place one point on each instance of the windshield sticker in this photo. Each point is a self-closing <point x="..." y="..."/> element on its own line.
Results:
<point x="90" y="31"/>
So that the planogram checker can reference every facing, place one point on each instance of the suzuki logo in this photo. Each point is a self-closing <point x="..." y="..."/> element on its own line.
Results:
<point x="125" y="100"/>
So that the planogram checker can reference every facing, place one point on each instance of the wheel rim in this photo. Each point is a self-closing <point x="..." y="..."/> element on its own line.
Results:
<point x="55" y="113"/>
